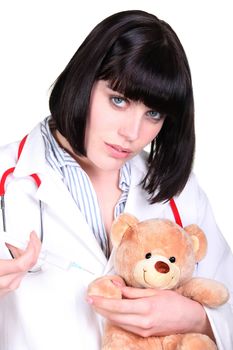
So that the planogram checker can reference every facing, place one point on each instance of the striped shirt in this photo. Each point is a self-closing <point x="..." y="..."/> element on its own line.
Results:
<point x="80" y="186"/>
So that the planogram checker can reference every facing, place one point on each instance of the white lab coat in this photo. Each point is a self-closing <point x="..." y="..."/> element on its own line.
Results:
<point x="48" y="310"/>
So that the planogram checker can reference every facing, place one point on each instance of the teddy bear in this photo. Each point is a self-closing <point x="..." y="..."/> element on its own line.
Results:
<point x="157" y="253"/>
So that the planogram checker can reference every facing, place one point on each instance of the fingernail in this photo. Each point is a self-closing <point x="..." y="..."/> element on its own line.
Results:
<point x="89" y="300"/>
<point x="117" y="283"/>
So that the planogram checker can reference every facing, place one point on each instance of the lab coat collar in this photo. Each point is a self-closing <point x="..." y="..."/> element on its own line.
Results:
<point x="32" y="159"/>
<point x="138" y="202"/>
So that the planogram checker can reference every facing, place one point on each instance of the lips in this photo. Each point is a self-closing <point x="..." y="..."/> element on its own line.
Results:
<point x="119" y="148"/>
<point x="118" y="151"/>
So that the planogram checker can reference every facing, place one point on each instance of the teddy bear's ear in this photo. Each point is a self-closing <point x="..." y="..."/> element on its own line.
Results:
<point x="199" y="241"/>
<point x="120" y="225"/>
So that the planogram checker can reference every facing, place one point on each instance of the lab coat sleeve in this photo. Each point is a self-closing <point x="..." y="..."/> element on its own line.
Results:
<point x="218" y="265"/>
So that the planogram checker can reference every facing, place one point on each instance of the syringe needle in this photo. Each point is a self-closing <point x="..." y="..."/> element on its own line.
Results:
<point x="74" y="264"/>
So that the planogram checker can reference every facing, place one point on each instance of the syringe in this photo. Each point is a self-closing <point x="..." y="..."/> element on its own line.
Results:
<point x="45" y="255"/>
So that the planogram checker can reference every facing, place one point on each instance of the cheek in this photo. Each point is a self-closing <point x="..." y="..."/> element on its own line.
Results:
<point x="97" y="123"/>
<point x="100" y="122"/>
<point x="149" y="131"/>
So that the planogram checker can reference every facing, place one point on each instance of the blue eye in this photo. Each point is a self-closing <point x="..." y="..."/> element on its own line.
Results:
<point x="118" y="101"/>
<point x="154" y="115"/>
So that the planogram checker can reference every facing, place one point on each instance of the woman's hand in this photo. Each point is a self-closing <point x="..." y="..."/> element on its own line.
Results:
<point x="148" y="312"/>
<point x="12" y="271"/>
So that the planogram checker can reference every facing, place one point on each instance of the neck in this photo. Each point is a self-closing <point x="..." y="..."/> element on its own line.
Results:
<point x="62" y="141"/>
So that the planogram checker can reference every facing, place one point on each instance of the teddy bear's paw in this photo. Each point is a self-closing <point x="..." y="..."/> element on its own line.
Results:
<point x="206" y="291"/>
<point x="215" y="295"/>
<point x="107" y="286"/>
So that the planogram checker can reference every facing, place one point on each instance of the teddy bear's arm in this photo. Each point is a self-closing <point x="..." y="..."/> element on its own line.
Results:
<point x="104" y="286"/>
<point x="206" y="291"/>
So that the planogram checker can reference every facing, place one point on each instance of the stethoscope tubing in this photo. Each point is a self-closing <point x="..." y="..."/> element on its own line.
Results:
<point x="4" y="177"/>
<point x="3" y="213"/>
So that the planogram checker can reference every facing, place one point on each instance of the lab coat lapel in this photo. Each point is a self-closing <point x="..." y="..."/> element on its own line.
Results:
<point x="53" y="191"/>
<point x="138" y="199"/>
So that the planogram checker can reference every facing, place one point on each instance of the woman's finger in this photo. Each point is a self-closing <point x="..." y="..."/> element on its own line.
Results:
<point x="135" y="293"/>
<point x="119" y="306"/>
<point x="24" y="260"/>
<point x="10" y="282"/>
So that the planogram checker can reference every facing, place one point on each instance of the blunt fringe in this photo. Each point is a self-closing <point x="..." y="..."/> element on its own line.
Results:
<point x="142" y="58"/>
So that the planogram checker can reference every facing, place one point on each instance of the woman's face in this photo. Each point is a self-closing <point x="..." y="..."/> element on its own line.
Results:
<point x="117" y="128"/>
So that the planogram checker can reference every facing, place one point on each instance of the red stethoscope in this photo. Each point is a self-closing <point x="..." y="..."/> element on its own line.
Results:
<point x="5" y="175"/>
<point x="37" y="181"/>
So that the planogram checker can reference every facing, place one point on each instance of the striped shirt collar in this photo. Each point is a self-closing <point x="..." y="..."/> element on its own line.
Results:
<point x="57" y="157"/>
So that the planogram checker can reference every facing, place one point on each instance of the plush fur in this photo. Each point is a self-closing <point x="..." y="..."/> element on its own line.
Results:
<point x="142" y="253"/>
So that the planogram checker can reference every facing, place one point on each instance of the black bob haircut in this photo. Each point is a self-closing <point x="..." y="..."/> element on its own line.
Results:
<point x="142" y="58"/>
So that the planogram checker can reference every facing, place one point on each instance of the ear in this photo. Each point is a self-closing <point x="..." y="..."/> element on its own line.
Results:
<point x="199" y="241"/>
<point x="120" y="226"/>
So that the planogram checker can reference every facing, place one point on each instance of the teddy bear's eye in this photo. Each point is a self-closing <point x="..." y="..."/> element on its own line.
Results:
<point x="172" y="259"/>
<point x="148" y="256"/>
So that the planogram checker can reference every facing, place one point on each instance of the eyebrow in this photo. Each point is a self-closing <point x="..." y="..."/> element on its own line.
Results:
<point x="115" y="91"/>
<point x="109" y="87"/>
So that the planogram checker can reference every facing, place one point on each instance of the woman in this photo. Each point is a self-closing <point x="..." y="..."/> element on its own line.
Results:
<point x="127" y="86"/>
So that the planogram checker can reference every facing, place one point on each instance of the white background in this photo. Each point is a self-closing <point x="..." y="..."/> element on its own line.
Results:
<point x="39" y="37"/>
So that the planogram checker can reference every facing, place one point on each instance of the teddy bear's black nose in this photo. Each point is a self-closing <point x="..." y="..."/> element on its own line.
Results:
<point x="162" y="267"/>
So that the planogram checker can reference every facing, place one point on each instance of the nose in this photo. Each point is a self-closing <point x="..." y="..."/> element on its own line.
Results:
<point x="130" y="129"/>
<point x="162" y="267"/>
